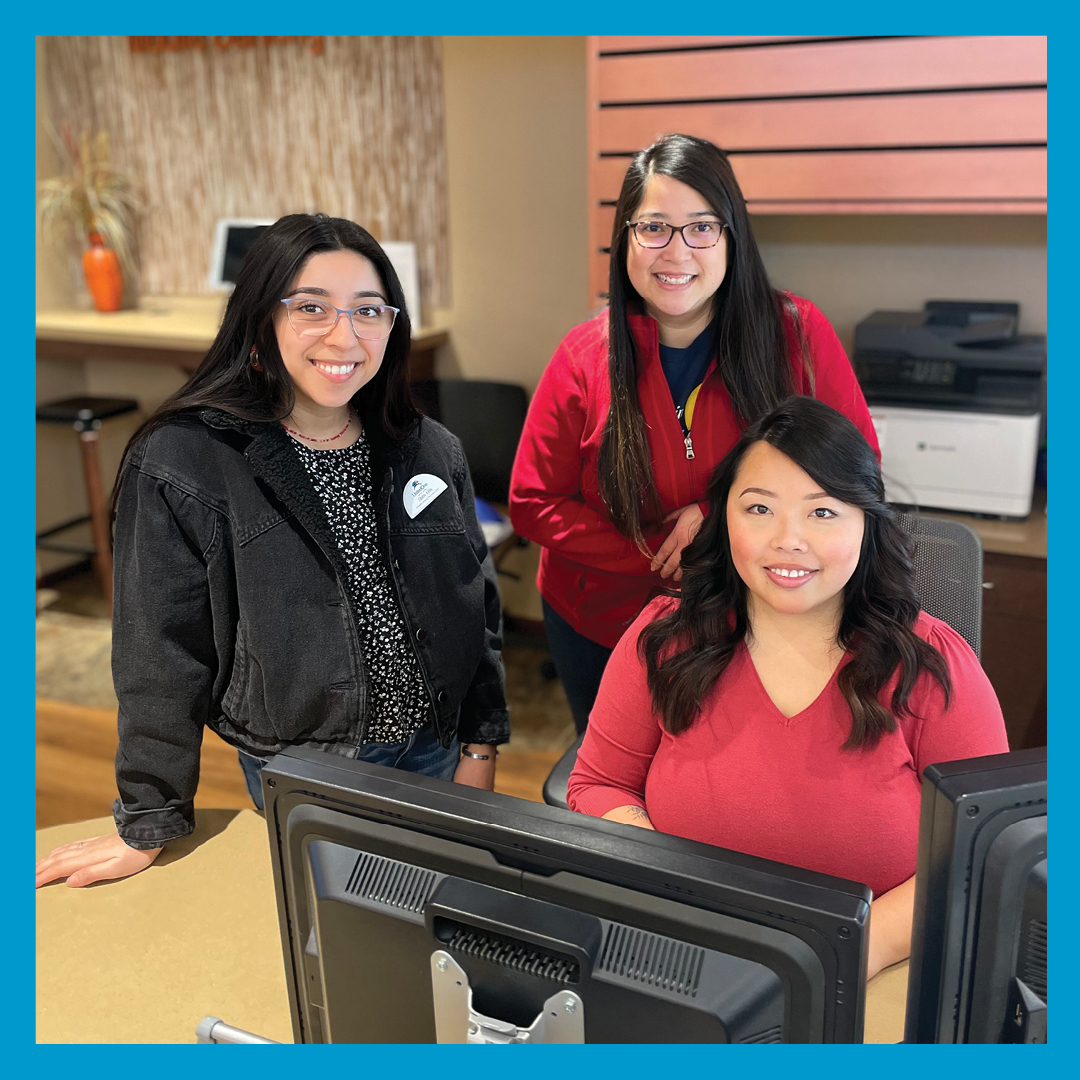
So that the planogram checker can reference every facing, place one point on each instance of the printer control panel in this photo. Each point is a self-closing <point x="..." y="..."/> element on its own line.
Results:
<point x="884" y="372"/>
<point x="936" y="372"/>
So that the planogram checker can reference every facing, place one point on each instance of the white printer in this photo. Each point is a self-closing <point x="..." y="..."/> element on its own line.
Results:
<point x="957" y="398"/>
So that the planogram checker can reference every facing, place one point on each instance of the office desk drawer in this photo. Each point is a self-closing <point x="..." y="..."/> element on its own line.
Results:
<point x="1014" y="586"/>
<point x="1014" y="644"/>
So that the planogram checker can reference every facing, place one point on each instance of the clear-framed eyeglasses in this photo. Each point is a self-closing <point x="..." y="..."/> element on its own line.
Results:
<point x="311" y="316"/>
<point x="695" y="234"/>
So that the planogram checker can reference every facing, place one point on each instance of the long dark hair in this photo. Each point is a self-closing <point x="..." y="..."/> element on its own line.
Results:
<point x="748" y="337"/>
<point x="226" y="378"/>
<point x="686" y="651"/>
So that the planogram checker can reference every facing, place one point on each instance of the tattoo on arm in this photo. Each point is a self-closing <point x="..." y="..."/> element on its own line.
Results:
<point x="638" y="812"/>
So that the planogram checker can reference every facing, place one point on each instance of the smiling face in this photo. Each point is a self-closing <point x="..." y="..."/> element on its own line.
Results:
<point x="328" y="370"/>
<point x="677" y="282"/>
<point x="794" y="546"/>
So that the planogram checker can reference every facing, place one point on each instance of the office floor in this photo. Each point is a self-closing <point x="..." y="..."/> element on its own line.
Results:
<point x="76" y="715"/>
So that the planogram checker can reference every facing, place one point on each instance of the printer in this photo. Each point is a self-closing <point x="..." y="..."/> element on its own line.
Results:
<point x="957" y="399"/>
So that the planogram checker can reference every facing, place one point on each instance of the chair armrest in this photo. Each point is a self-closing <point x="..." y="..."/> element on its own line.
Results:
<point x="559" y="777"/>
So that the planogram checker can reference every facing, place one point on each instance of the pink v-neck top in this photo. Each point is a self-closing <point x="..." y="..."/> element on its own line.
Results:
<point x="748" y="778"/>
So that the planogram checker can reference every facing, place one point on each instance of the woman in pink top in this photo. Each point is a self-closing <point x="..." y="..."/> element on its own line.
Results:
<point x="787" y="703"/>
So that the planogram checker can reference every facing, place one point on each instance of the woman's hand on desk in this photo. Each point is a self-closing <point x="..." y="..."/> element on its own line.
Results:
<point x="103" y="858"/>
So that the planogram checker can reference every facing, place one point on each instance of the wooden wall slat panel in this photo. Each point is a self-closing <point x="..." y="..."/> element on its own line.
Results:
<point x="592" y="84"/>
<point x="975" y="174"/>
<point x="879" y="175"/>
<point x="828" y="67"/>
<point x="997" y="116"/>
<point x="598" y="279"/>
<point x="900" y="206"/>
<point x="600" y="222"/>
<point x="629" y="43"/>
<point x="917" y="181"/>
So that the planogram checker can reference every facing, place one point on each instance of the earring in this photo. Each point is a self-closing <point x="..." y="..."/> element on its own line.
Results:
<point x="255" y="359"/>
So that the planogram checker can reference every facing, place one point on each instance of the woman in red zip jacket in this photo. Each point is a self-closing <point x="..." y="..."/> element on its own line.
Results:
<point x="640" y="403"/>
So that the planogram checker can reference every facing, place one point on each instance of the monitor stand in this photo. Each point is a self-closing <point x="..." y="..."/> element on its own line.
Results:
<point x="561" y="1020"/>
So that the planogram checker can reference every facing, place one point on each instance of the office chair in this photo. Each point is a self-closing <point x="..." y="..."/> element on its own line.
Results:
<point x="487" y="417"/>
<point x="948" y="564"/>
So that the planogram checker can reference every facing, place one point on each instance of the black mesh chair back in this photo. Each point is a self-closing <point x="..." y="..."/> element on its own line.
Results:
<point x="487" y="417"/>
<point x="948" y="563"/>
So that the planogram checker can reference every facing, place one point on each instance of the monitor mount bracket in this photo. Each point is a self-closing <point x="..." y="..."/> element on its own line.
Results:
<point x="562" y="1019"/>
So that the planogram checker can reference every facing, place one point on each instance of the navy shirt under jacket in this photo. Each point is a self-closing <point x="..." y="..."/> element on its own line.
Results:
<point x="685" y="368"/>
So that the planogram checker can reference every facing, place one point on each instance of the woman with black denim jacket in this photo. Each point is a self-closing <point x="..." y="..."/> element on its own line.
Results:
<point x="297" y="555"/>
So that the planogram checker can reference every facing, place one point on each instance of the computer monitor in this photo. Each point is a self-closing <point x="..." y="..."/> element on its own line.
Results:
<point x="978" y="944"/>
<point x="415" y="910"/>
<point x="232" y="239"/>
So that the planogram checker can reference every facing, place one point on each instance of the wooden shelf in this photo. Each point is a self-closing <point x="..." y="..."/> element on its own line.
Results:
<point x="174" y="330"/>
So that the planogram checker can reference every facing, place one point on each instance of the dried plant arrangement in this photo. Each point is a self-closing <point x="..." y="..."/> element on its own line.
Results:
<point x="91" y="196"/>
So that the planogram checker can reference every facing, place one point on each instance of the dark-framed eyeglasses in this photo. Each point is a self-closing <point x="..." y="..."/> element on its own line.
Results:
<point x="311" y="316"/>
<point x="695" y="234"/>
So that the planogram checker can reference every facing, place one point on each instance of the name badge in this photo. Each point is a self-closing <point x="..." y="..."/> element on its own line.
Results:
<point x="419" y="491"/>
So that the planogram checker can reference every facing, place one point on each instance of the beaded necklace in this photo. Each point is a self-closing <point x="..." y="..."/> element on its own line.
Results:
<point x="308" y="438"/>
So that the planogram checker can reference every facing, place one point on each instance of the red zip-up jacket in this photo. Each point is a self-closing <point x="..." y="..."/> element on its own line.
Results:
<point x="591" y="574"/>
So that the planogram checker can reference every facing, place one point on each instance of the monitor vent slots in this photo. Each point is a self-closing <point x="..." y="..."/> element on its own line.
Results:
<point x="506" y="952"/>
<point x="769" y="1035"/>
<point x="387" y="881"/>
<point x="653" y="959"/>
<point x="1033" y="967"/>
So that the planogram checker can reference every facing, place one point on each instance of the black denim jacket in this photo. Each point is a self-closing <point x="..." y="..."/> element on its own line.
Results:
<point x="232" y="609"/>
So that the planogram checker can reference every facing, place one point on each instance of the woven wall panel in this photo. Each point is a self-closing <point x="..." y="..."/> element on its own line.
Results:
<point x="356" y="131"/>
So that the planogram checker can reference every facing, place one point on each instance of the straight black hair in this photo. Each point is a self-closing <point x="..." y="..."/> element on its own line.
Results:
<point x="226" y="379"/>
<point x="686" y="651"/>
<point x="748" y="332"/>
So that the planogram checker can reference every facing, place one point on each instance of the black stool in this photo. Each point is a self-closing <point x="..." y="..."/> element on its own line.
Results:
<point x="85" y="415"/>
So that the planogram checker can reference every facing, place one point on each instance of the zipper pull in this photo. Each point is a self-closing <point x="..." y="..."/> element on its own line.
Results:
<point x="689" y="447"/>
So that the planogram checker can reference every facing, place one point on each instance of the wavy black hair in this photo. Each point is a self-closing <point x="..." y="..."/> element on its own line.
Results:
<point x="226" y="378"/>
<point x="748" y="332"/>
<point x="686" y="651"/>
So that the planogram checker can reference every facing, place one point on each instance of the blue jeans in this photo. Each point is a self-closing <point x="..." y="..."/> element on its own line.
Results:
<point x="420" y="753"/>
<point x="579" y="661"/>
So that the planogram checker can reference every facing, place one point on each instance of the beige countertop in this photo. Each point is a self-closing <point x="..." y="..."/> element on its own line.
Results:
<point x="187" y="323"/>
<point x="1027" y="537"/>
<point x="143" y="960"/>
<point x="196" y="934"/>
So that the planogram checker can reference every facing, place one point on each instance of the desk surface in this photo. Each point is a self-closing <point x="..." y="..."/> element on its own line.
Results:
<point x="185" y="323"/>
<point x="145" y="959"/>
<point x="1027" y="537"/>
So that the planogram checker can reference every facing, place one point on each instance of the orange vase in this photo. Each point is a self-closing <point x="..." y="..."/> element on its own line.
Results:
<point x="101" y="268"/>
